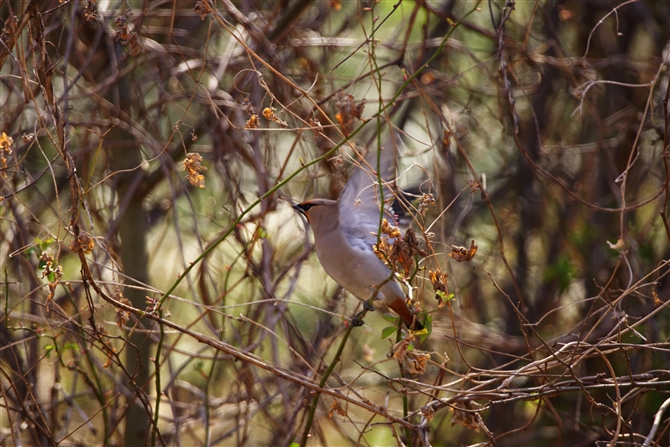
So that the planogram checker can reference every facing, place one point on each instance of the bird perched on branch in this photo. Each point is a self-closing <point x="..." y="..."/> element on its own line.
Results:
<point x="345" y="231"/>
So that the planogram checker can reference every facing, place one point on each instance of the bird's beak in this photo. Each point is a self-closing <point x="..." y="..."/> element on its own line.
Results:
<point x="298" y="207"/>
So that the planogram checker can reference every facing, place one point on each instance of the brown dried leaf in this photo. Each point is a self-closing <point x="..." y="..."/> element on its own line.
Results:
<point x="416" y="361"/>
<point x="461" y="254"/>
<point x="426" y="201"/>
<point x="252" y="122"/>
<point x="657" y="300"/>
<point x="125" y="35"/>
<point x="402" y="255"/>
<point x="84" y="243"/>
<point x="269" y="114"/>
<point x="467" y="420"/>
<point x="439" y="281"/>
<point x="110" y="352"/>
<point x="390" y="230"/>
<point x="348" y="111"/>
<point x="411" y="361"/>
<point x="6" y="143"/>
<point x="90" y="11"/>
<point x="404" y="249"/>
<point x="468" y="416"/>
<point x="335" y="407"/>
<point x="122" y="315"/>
<point x="428" y="413"/>
<point x="413" y="242"/>
<point x="52" y="290"/>
<point x="152" y="305"/>
<point x="315" y="125"/>
<point x="382" y="249"/>
<point x="201" y="9"/>
<point x="399" y="350"/>
<point x="475" y="186"/>
<point x="194" y="169"/>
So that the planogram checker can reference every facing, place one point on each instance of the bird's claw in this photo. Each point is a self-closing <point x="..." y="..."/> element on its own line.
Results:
<point x="358" y="318"/>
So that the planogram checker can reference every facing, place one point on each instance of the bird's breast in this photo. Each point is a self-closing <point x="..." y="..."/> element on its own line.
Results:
<point x="352" y="263"/>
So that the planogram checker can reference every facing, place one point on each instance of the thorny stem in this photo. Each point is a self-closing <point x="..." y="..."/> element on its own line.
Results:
<point x="207" y="403"/>
<point x="405" y="399"/>
<point x="157" y="373"/>
<point x="6" y="298"/>
<point x="378" y="79"/>
<point x="322" y="383"/>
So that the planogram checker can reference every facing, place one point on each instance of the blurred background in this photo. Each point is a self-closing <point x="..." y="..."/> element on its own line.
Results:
<point x="158" y="289"/>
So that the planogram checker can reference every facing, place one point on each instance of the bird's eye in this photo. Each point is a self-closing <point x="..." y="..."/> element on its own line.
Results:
<point x="306" y="206"/>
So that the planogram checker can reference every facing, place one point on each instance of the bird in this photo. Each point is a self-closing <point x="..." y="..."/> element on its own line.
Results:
<point x="345" y="231"/>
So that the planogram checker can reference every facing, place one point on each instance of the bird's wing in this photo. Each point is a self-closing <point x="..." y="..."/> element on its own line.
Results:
<point x="360" y="200"/>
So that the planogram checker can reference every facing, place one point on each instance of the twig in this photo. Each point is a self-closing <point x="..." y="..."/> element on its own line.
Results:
<point x="657" y="422"/>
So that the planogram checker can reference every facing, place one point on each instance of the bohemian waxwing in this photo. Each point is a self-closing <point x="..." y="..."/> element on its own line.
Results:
<point x="345" y="231"/>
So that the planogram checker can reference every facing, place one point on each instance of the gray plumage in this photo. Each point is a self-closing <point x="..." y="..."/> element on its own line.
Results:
<point x="345" y="232"/>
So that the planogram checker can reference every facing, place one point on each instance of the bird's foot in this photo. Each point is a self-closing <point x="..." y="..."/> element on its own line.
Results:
<point x="358" y="318"/>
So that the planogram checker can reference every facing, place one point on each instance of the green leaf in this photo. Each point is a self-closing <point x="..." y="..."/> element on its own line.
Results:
<point x="561" y="272"/>
<point x="71" y="346"/>
<point x="388" y="331"/>
<point x="428" y="327"/>
<point x="43" y="244"/>
<point x="48" y="349"/>
<point x="444" y="296"/>
<point x="262" y="233"/>
<point x="390" y="318"/>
